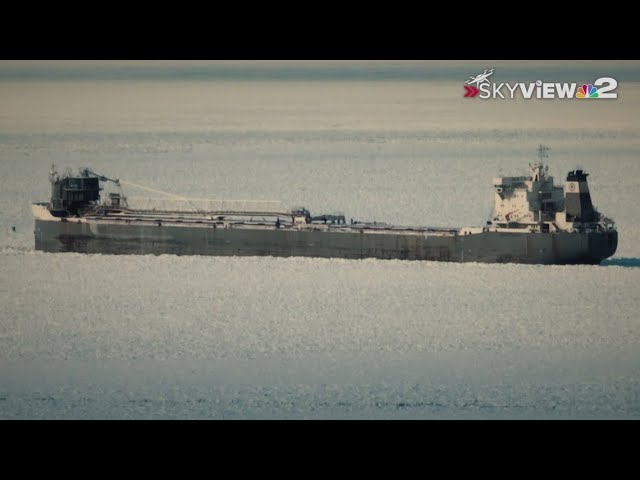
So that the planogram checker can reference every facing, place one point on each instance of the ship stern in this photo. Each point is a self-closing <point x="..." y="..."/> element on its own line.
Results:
<point x="602" y="245"/>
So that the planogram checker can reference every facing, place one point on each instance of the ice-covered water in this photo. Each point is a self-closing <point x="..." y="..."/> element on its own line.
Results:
<point x="94" y="336"/>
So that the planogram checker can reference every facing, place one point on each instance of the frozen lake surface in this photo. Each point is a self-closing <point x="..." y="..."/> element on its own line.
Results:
<point x="96" y="336"/>
<point x="214" y="337"/>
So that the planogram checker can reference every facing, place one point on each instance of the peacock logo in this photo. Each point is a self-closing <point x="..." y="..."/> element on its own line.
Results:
<point x="587" y="91"/>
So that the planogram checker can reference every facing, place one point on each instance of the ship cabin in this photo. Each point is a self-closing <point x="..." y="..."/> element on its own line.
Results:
<point x="70" y="194"/>
<point x="534" y="203"/>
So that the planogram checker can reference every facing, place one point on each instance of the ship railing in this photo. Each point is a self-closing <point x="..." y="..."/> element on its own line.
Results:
<point x="204" y="205"/>
<point x="205" y="213"/>
<point x="181" y="215"/>
<point x="383" y="228"/>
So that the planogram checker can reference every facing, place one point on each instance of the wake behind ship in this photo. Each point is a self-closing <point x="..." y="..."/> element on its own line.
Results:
<point x="534" y="222"/>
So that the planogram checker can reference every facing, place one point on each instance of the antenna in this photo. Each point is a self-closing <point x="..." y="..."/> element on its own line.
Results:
<point x="543" y="152"/>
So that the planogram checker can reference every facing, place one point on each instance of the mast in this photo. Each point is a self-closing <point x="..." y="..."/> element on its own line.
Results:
<point x="543" y="152"/>
<point x="539" y="174"/>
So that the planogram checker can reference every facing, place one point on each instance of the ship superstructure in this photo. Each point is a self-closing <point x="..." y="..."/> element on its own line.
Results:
<point x="536" y="204"/>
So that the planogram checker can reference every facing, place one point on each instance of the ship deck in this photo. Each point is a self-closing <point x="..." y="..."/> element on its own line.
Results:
<point x="255" y="221"/>
<point x="178" y="220"/>
<point x="243" y="220"/>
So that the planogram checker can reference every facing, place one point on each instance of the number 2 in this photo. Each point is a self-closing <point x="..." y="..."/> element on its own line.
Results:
<point x="611" y="84"/>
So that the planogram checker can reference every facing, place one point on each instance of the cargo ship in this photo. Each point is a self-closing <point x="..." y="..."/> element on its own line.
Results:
<point x="534" y="222"/>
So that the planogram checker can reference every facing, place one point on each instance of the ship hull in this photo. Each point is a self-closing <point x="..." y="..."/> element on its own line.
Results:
<point x="486" y="246"/>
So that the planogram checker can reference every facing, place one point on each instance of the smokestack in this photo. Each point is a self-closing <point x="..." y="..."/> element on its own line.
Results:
<point x="577" y="199"/>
